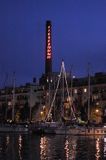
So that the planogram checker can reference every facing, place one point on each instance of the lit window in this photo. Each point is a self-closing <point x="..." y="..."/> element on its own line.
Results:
<point x="95" y="97"/>
<point x="9" y="103"/>
<point x="97" y="111"/>
<point x="97" y="103"/>
<point x="85" y="90"/>
<point x="75" y="90"/>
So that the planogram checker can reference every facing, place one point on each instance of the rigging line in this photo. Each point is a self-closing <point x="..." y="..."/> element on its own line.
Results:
<point x="67" y="89"/>
<point x="54" y="94"/>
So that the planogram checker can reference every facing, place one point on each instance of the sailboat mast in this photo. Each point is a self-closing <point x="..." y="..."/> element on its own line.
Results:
<point x="71" y="82"/>
<point x="62" y="111"/>
<point x="13" y="100"/>
<point x="88" y="91"/>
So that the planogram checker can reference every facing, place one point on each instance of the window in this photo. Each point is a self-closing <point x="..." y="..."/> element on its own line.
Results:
<point x="85" y="90"/>
<point x="75" y="91"/>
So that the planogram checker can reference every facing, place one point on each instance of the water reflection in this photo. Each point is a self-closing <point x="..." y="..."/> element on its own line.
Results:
<point x="20" y="147"/>
<point x="67" y="149"/>
<point x="97" y="149"/>
<point x="104" y="147"/>
<point x="70" y="148"/>
<point x="54" y="147"/>
<point x="43" y="147"/>
<point x="7" y="140"/>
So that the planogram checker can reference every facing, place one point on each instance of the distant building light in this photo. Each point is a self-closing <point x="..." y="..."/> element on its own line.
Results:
<point x="47" y="93"/>
<point x="95" y="97"/>
<point x="44" y="107"/>
<point x="9" y="103"/>
<point x="97" y="110"/>
<point x="75" y="91"/>
<point x="97" y="103"/>
<point x="49" y="81"/>
<point x="41" y="113"/>
<point x="85" y="90"/>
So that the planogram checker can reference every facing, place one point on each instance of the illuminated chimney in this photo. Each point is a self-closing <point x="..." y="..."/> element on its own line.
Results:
<point x="48" y="55"/>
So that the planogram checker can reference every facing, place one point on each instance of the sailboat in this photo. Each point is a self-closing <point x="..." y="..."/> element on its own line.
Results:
<point x="66" y="106"/>
<point x="11" y="126"/>
<point x="65" y="94"/>
<point x="49" y="126"/>
<point x="76" y="129"/>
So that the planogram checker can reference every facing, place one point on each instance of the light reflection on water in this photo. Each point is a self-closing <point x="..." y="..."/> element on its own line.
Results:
<point x="97" y="149"/>
<point x="70" y="148"/>
<point x="43" y="148"/>
<point x="52" y="147"/>
<point x="104" y="147"/>
<point x="20" y="147"/>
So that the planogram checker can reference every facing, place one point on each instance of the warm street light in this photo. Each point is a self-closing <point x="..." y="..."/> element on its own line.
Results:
<point x="97" y="110"/>
<point x="41" y="113"/>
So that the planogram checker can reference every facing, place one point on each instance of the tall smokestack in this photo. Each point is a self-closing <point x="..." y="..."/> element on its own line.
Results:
<point x="48" y="55"/>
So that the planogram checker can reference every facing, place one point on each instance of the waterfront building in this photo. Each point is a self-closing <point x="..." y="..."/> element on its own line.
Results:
<point x="27" y="98"/>
<point x="38" y="97"/>
<point x="79" y="91"/>
<point x="97" y="96"/>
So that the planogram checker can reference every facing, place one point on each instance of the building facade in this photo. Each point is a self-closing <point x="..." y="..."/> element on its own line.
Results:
<point x="26" y="98"/>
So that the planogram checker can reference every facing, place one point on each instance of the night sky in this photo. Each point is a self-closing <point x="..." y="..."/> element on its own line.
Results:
<point x="78" y="37"/>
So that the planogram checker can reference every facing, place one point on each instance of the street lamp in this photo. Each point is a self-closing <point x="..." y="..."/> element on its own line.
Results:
<point x="97" y="110"/>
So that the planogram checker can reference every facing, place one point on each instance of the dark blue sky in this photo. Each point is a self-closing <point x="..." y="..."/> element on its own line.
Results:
<point x="78" y="36"/>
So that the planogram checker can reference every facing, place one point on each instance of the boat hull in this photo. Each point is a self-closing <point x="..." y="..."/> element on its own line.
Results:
<point x="14" y="128"/>
<point x="82" y="131"/>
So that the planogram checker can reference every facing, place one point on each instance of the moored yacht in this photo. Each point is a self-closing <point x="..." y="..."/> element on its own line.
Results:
<point x="14" y="127"/>
<point x="60" y="126"/>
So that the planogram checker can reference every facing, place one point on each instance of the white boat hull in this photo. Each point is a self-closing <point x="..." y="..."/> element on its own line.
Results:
<point x="14" y="128"/>
<point x="81" y="131"/>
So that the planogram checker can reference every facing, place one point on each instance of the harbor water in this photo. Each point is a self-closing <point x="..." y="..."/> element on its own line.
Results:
<point x="51" y="147"/>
